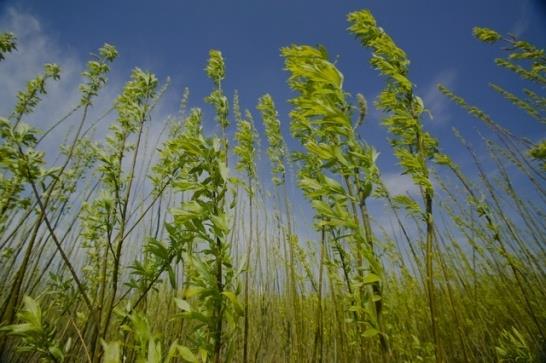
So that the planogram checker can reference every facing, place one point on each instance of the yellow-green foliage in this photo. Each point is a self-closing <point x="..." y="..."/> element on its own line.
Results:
<point x="143" y="249"/>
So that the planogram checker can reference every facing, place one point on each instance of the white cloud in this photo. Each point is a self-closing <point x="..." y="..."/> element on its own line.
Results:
<point x="522" y="23"/>
<point x="400" y="184"/>
<point x="436" y="102"/>
<point x="34" y="49"/>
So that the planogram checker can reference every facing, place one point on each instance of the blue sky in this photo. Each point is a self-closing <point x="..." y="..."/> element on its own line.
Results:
<point x="172" y="38"/>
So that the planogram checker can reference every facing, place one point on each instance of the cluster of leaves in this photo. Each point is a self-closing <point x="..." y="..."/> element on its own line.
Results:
<point x="528" y="62"/>
<point x="321" y="120"/>
<point x="147" y="345"/>
<point x="20" y="162"/>
<point x="7" y="44"/>
<point x="513" y="347"/>
<point x="36" y="335"/>
<point x="412" y="145"/>
<point x="216" y="71"/>
<point x="200" y="226"/>
<point x="277" y="148"/>
<point x="246" y="148"/>
<point x="105" y="217"/>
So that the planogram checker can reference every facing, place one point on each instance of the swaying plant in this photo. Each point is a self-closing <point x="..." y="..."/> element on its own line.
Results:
<point x="278" y="152"/>
<point x="36" y="335"/>
<point x="8" y="44"/>
<point x="200" y="228"/>
<point x="277" y="148"/>
<point x="413" y="146"/>
<point x="322" y="121"/>
<point x="106" y="218"/>
<point x="520" y="54"/>
<point x="200" y="224"/>
<point x="147" y="345"/>
<point x="245" y="150"/>
<point x="513" y="347"/>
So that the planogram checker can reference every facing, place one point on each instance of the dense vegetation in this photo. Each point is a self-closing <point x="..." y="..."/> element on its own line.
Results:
<point x="115" y="253"/>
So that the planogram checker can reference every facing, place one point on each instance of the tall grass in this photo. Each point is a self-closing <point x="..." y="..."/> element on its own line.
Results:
<point x="178" y="249"/>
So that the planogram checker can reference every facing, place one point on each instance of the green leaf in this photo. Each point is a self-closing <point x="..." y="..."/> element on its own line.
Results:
<point x="57" y="353"/>
<point x="215" y="66"/>
<point x="182" y="304"/>
<point x="32" y="311"/>
<point x="233" y="298"/>
<point x="224" y="171"/>
<point x="370" y="332"/>
<point x="154" y="352"/>
<point x="486" y="35"/>
<point x="112" y="352"/>
<point x="370" y="278"/>
<point x="67" y="345"/>
<point x="172" y="277"/>
<point x="220" y="224"/>
<point x="185" y="353"/>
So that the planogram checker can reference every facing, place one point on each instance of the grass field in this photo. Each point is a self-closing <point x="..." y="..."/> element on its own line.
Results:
<point x="172" y="246"/>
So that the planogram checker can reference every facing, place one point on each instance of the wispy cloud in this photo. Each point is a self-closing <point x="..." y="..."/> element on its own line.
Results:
<point x="436" y="102"/>
<point x="400" y="184"/>
<point x="34" y="49"/>
<point x="522" y="23"/>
